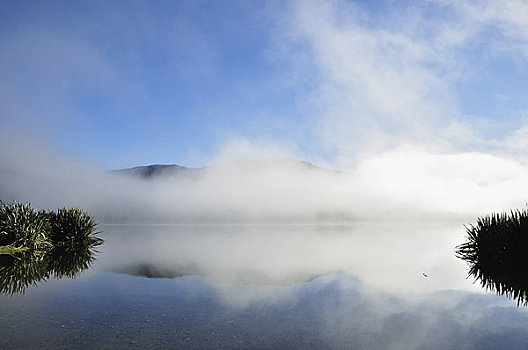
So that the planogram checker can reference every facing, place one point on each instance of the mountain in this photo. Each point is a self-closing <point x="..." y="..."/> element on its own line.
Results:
<point x="156" y="171"/>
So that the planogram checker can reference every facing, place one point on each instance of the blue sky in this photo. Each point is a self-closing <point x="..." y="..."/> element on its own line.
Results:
<point x="123" y="83"/>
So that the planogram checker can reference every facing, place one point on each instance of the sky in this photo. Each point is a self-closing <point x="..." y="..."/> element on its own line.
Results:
<point x="419" y="106"/>
<point x="124" y="83"/>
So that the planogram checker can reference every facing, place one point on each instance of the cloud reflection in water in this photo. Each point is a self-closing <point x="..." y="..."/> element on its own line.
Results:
<point x="391" y="256"/>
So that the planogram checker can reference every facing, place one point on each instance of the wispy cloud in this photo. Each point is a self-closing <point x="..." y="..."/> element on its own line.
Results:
<point x="389" y="78"/>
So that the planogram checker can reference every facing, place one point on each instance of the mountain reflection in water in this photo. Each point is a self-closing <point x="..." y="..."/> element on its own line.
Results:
<point x="392" y="256"/>
<point x="19" y="271"/>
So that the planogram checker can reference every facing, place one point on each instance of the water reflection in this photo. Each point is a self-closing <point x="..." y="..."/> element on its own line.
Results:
<point x="392" y="256"/>
<point x="21" y="270"/>
<point x="240" y="276"/>
<point x="381" y="301"/>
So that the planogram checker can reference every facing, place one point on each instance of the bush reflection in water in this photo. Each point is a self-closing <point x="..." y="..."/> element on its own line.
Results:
<point x="496" y="250"/>
<point x="19" y="271"/>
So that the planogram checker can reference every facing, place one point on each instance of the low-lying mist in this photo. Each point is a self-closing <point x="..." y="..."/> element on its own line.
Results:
<point x="403" y="183"/>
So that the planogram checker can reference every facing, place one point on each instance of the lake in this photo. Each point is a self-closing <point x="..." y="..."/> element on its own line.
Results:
<point x="335" y="285"/>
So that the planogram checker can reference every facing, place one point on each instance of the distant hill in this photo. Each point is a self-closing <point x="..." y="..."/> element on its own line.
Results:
<point x="158" y="170"/>
<point x="155" y="171"/>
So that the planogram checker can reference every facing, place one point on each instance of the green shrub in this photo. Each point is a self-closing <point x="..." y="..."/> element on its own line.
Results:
<point x="21" y="226"/>
<point x="57" y="243"/>
<point x="72" y="228"/>
<point x="496" y="250"/>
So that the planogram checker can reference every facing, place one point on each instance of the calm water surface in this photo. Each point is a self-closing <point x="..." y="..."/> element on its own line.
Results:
<point x="359" y="285"/>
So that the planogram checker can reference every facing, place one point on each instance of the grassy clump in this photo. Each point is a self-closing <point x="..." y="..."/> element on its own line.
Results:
<point x="35" y="245"/>
<point x="72" y="228"/>
<point x="496" y="250"/>
<point x="22" y="226"/>
<point x="9" y="249"/>
<point x="73" y="235"/>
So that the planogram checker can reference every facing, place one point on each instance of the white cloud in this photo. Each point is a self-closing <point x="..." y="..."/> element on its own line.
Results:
<point x="378" y="87"/>
<point x="389" y="78"/>
<point x="509" y="17"/>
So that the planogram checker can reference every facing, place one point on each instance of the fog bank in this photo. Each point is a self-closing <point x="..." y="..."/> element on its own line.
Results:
<point x="403" y="183"/>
